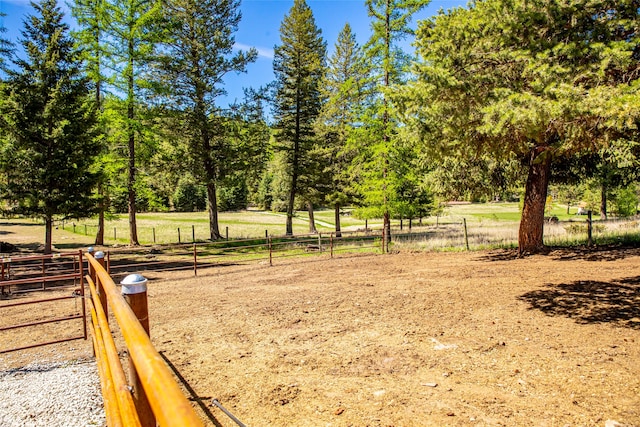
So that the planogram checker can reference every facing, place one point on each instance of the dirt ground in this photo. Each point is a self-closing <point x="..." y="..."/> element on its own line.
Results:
<point x="405" y="339"/>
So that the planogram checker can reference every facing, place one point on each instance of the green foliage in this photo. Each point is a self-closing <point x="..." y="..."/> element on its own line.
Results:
<point x="343" y="89"/>
<point x="233" y="194"/>
<point x="196" y="54"/>
<point x="6" y="47"/>
<point x="533" y="79"/>
<point x="189" y="195"/>
<point x="298" y="64"/>
<point x="385" y="165"/>
<point x="626" y="201"/>
<point x="48" y="125"/>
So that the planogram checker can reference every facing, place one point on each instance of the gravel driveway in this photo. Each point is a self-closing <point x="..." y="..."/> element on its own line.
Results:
<point x="55" y="395"/>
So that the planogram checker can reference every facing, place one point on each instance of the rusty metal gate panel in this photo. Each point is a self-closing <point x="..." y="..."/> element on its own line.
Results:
<point x="24" y="280"/>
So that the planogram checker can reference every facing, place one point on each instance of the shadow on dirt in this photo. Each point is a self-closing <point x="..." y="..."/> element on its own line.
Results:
<point x="193" y="396"/>
<point x="584" y="253"/>
<point x="587" y="302"/>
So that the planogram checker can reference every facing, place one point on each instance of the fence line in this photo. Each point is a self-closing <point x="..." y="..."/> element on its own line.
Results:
<point x="168" y="403"/>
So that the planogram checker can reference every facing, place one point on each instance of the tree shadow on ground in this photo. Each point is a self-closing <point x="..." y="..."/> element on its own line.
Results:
<point x="591" y="302"/>
<point x="585" y="253"/>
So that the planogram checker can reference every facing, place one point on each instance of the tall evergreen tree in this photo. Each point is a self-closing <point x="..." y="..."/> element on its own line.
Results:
<point x="131" y="34"/>
<point x="48" y="122"/>
<point x="196" y="58"/>
<point x="6" y="47"/>
<point x="343" y="90"/>
<point x="381" y="157"/>
<point x="298" y="64"/>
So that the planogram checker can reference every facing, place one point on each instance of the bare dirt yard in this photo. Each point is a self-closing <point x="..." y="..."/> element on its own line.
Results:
<point x="405" y="339"/>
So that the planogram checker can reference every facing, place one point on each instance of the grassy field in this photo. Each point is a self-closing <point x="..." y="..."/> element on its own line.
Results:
<point x="488" y="225"/>
<point x="169" y="227"/>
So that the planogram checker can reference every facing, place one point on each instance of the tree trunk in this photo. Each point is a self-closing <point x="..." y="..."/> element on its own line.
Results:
<point x="568" y="206"/>
<point x="387" y="230"/>
<point x="337" y="218"/>
<point x="530" y="235"/>
<point x="48" y="238"/>
<point x="133" y="228"/>
<point x="603" y="202"/>
<point x="312" y="220"/>
<point x="100" y="233"/>
<point x="212" y="206"/>
<point x="290" y="205"/>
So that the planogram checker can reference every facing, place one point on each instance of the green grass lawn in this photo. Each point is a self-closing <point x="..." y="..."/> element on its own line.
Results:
<point x="169" y="227"/>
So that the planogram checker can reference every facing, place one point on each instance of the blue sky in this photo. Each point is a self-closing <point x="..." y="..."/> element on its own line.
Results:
<point x="260" y="28"/>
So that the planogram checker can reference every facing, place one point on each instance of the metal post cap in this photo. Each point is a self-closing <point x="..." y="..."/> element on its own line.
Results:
<point x="90" y="249"/>
<point x="99" y="255"/>
<point x="134" y="284"/>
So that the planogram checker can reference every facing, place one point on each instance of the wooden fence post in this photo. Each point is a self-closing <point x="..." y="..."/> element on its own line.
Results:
<point x="589" y="229"/>
<point x="331" y="244"/>
<point x="195" y="260"/>
<point x="466" y="236"/>
<point x="134" y="291"/>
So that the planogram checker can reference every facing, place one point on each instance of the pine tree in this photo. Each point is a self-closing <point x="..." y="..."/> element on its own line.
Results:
<point x="6" y="47"/>
<point x="48" y="122"/>
<point x="298" y="64"/>
<point x="536" y="80"/>
<point x="196" y="57"/>
<point x="343" y="89"/>
<point x="382" y="158"/>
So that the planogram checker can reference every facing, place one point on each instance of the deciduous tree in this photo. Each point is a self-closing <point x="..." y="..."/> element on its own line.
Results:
<point x="131" y="34"/>
<point x="382" y="156"/>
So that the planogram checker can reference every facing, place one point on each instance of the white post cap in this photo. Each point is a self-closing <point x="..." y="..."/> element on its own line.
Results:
<point x="133" y="284"/>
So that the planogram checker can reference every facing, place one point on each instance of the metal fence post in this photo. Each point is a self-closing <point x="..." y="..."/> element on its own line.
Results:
<point x="134" y="291"/>
<point x="270" y="252"/>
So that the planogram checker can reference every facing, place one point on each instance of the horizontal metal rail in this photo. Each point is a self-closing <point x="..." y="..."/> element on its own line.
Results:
<point x="27" y="347"/>
<point x="17" y="304"/>
<point x="40" y="279"/>
<point x="42" y="322"/>
<point x="9" y="260"/>
<point x="169" y="404"/>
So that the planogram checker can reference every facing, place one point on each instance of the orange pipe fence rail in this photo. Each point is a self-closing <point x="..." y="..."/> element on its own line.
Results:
<point x="169" y="404"/>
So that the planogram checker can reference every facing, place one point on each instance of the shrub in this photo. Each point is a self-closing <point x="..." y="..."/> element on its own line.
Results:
<point x="189" y="196"/>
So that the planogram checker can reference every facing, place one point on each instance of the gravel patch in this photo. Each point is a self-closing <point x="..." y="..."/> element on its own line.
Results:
<point x="57" y="394"/>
